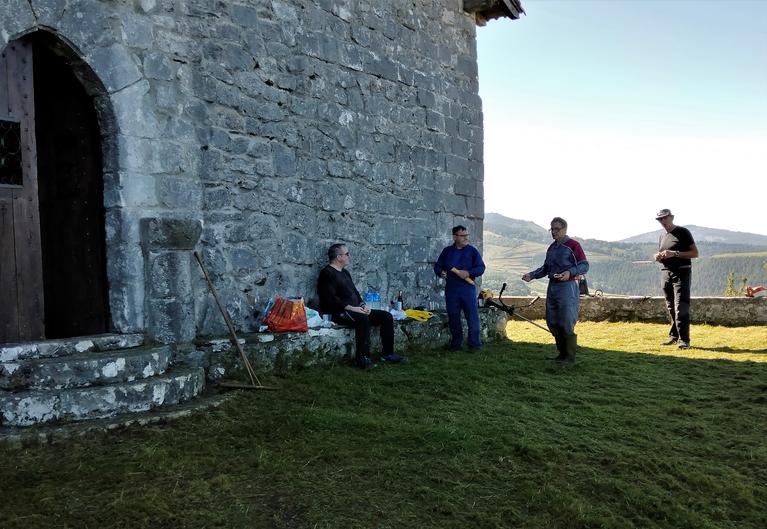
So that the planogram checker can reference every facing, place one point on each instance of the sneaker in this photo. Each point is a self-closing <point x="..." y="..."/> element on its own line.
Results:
<point x="394" y="358"/>
<point x="670" y="341"/>
<point x="683" y="344"/>
<point x="364" y="363"/>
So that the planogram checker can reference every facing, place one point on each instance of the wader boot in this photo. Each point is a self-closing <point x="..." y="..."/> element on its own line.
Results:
<point x="560" y="340"/>
<point x="571" y="345"/>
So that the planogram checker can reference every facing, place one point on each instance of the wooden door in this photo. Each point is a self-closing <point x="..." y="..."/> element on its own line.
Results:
<point x="21" y="276"/>
<point x="70" y="190"/>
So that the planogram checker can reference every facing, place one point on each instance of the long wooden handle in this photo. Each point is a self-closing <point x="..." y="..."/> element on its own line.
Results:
<point x="467" y="279"/>
<point x="229" y="324"/>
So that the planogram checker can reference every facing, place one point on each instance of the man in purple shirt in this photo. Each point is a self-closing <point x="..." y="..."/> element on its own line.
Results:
<point x="564" y="262"/>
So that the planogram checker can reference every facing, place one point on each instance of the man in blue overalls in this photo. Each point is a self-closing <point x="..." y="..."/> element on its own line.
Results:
<point x="459" y="264"/>
<point x="565" y="261"/>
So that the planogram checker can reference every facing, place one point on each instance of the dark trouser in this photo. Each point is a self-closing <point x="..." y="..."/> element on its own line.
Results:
<point x="457" y="300"/>
<point x="562" y="304"/>
<point x="362" y="324"/>
<point x="676" y="290"/>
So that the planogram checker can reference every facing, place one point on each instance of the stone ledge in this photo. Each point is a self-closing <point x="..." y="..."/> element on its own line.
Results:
<point x="12" y="352"/>
<point x="730" y="312"/>
<point x="29" y="407"/>
<point x="85" y="369"/>
<point x="21" y="437"/>
<point x="291" y="350"/>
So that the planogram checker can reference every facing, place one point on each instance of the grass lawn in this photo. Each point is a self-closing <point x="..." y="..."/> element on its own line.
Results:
<point x="633" y="435"/>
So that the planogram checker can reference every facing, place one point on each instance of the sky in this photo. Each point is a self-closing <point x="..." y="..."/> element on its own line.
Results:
<point x="604" y="112"/>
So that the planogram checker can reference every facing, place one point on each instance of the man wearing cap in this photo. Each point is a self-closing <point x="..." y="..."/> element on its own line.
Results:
<point x="676" y="248"/>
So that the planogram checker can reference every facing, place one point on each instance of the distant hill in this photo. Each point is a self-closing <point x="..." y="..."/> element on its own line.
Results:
<point x="516" y="229"/>
<point x="513" y="247"/>
<point x="701" y="234"/>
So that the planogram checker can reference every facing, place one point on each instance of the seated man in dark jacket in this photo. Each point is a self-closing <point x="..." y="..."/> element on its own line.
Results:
<point x="340" y="298"/>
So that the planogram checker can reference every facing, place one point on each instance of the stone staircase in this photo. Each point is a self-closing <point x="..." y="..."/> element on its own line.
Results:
<point x="94" y="377"/>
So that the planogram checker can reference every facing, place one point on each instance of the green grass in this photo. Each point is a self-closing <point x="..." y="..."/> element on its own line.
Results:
<point x="633" y="435"/>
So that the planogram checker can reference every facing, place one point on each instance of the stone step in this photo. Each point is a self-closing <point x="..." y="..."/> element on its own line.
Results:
<point x="14" y="437"/>
<point x="26" y="408"/>
<point x="11" y="352"/>
<point x="85" y="369"/>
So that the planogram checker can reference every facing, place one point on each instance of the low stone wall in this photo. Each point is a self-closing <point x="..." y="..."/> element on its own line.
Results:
<point x="291" y="350"/>
<point x="730" y="312"/>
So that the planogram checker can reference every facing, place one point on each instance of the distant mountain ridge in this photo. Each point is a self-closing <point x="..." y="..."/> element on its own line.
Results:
<point x="701" y="234"/>
<point x="512" y="247"/>
<point x="529" y="231"/>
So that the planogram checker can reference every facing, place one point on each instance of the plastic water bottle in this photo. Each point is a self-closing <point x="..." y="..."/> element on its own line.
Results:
<point x="373" y="299"/>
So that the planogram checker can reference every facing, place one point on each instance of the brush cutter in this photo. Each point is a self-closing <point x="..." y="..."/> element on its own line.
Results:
<point x="509" y="309"/>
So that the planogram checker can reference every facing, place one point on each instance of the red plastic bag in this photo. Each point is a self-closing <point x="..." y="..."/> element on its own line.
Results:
<point x="287" y="315"/>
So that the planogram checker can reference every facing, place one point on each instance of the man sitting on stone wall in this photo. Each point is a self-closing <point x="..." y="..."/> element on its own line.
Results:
<point x="340" y="298"/>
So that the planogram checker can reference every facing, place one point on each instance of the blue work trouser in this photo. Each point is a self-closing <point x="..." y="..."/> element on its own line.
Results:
<point x="562" y="304"/>
<point x="676" y="290"/>
<point x="457" y="300"/>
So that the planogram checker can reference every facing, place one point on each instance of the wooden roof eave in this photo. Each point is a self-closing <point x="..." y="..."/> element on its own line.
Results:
<point x="484" y="10"/>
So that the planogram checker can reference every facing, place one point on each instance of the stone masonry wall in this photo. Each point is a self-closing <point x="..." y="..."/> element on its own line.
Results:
<point x="280" y="127"/>
<point x="330" y="121"/>
<point x="731" y="312"/>
<point x="290" y="350"/>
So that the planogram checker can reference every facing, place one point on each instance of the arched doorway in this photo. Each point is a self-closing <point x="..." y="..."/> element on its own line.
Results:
<point x="59" y="284"/>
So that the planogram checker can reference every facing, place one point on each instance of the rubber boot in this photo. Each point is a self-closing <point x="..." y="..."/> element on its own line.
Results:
<point x="571" y="346"/>
<point x="560" y="341"/>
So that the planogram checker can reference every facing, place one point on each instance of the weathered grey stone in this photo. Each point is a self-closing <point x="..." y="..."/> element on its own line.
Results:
<point x="179" y="193"/>
<point x="282" y="351"/>
<point x="169" y="274"/>
<point x="116" y="66"/>
<point x="87" y="369"/>
<point x="171" y="321"/>
<point x="39" y="406"/>
<point x="15" y="18"/>
<point x="170" y="233"/>
<point x="137" y="31"/>
<point x="733" y="312"/>
<point x="57" y="348"/>
<point x="158" y="66"/>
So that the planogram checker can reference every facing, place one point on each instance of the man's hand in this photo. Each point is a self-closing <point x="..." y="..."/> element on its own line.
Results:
<point x="443" y="274"/>
<point x="361" y="310"/>
<point x="463" y="274"/>
<point x="527" y="278"/>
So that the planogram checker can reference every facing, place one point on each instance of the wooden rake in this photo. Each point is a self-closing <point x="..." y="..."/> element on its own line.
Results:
<point x="255" y="382"/>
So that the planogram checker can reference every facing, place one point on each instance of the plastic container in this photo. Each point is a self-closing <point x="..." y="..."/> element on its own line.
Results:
<point x="373" y="299"/>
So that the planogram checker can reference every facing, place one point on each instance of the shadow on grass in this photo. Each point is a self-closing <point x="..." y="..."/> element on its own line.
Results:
<point x="501" y="438"/>
<point x="731" y="350"/>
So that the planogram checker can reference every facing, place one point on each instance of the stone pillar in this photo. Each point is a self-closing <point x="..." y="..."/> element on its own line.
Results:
<point x="167" y="245"/>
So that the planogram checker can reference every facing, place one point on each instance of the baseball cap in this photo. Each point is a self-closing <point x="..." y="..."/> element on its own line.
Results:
<point x="663" y="213"/>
